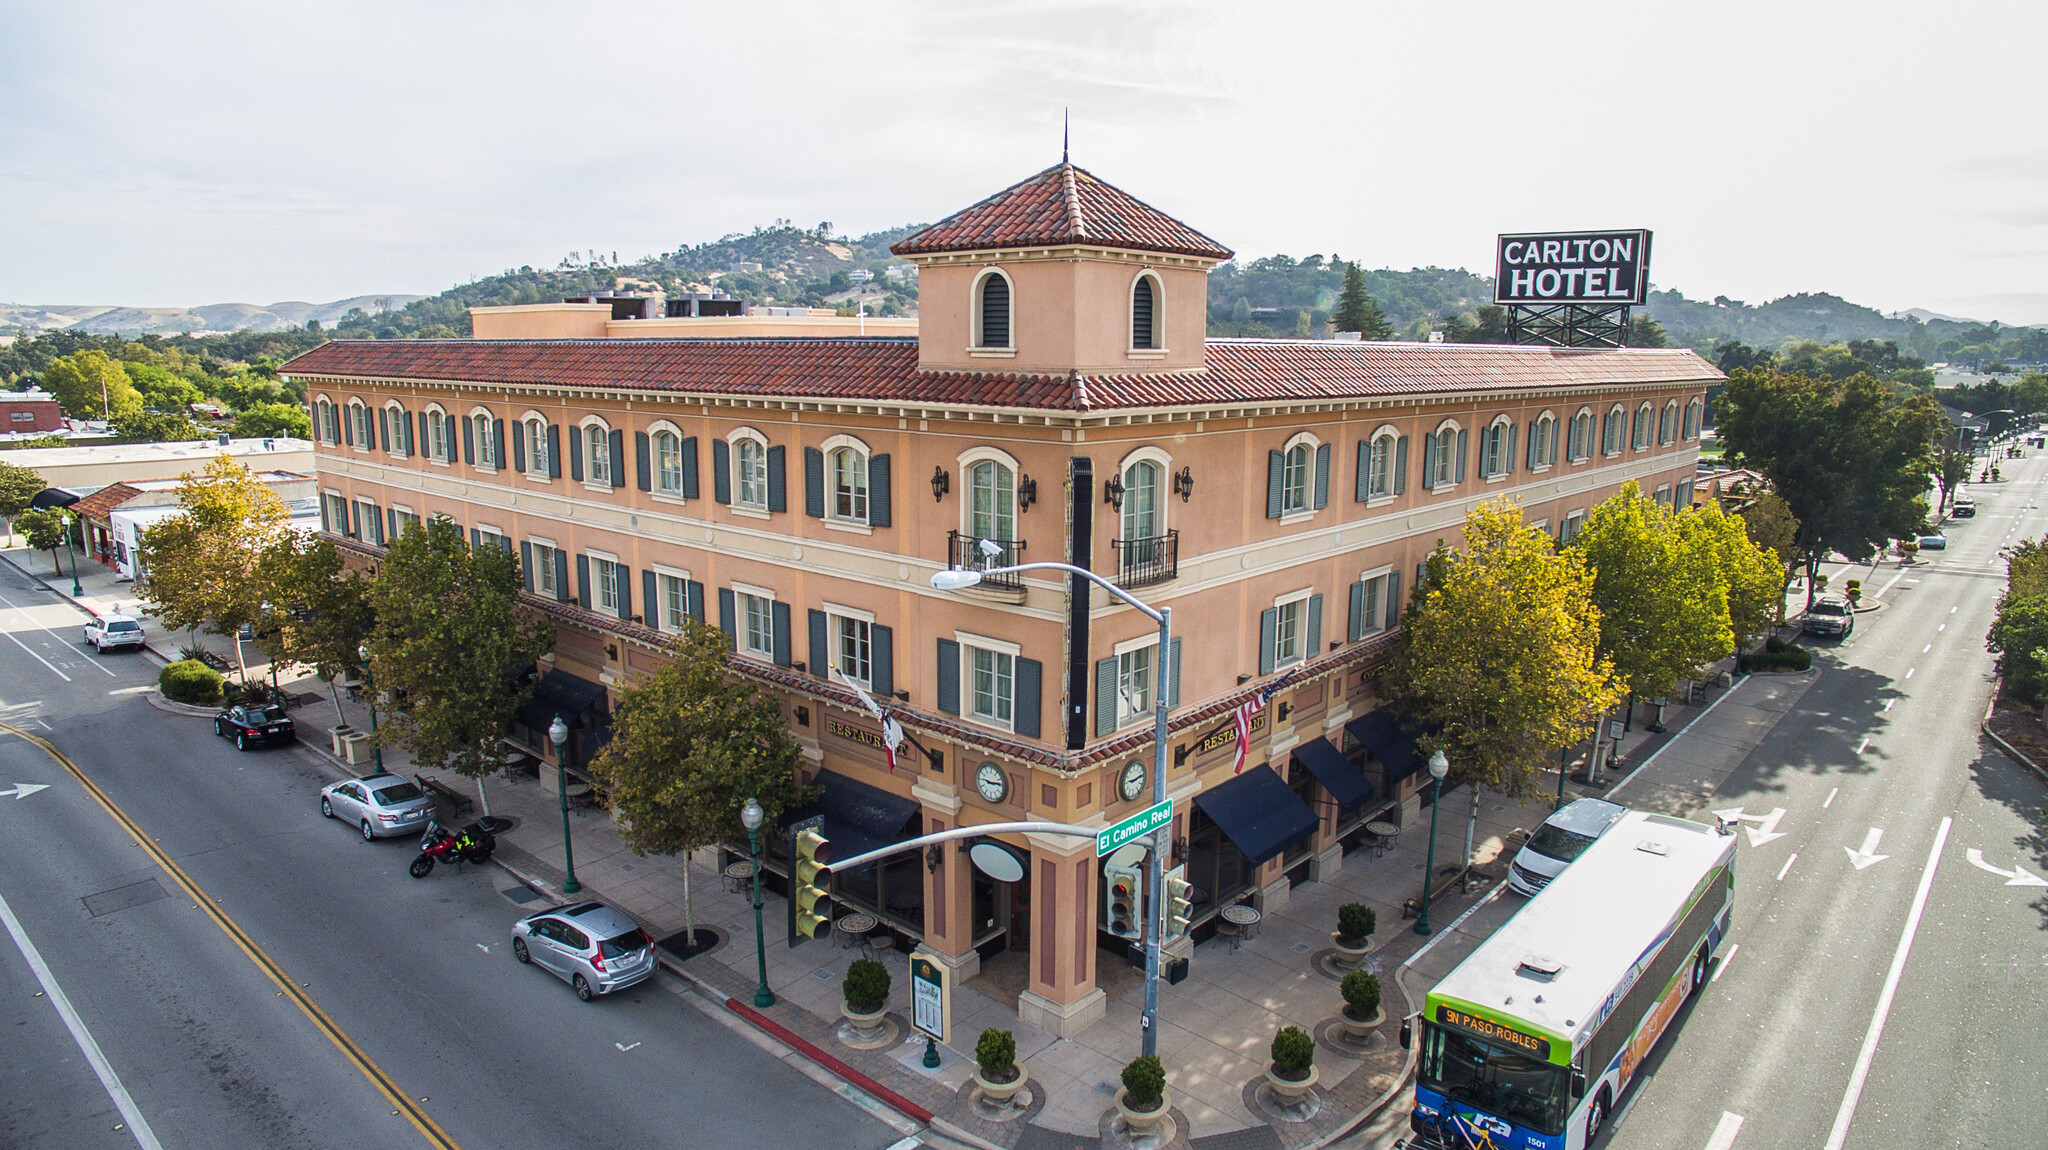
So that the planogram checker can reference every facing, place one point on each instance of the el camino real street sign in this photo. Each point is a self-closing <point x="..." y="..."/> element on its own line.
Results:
<point x="1136" y="827"/>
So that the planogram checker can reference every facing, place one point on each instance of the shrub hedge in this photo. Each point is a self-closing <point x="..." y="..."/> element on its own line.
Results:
<point x="190" y="681"/>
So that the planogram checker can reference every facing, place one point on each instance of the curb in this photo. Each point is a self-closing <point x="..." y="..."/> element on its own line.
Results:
<point x="2008" y="748"/>
<point x="148" y="646"/>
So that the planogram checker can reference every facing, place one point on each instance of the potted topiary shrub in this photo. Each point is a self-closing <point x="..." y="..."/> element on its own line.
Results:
<point x="1143" y="1101"/>
<point x="867" y="995"/>
<point x="1353" y="937"/>
<point x="1293" y="1070"/>
<point x="1361" y="1014"/>
<point x="995" y="1066"/>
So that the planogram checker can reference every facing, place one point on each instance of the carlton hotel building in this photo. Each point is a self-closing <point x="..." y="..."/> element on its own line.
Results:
<point x="797" y="481"/>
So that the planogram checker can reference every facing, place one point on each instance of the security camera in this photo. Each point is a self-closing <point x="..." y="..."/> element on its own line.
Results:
<point x="990" y="548"/>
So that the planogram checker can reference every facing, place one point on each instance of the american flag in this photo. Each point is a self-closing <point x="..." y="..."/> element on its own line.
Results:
<point x="1243" y="718"/>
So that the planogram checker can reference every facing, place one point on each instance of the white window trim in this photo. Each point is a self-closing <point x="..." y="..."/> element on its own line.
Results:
<point x="1592" y="433"/>
<point x="671" y="572"/>
<point x="654" y="430"/>
<point x="981" y="454"/>
<point x="1503" y="466"/>
<point x="739" y="620"/>
<point x="589" y="460"/>
<point x="832" y="517"/>
<point x="968" y="645"/>
<point x="356" y="429"/>
<point x="1004" y="646"/>
<point x="1137" y="644"/>
<point x="396" y="415"/>
<point x="1542" y="525"/>
<point x="1649" y="436"/>
<point x="660" y="604"/>
<point x="597" y="602"/>
<point x="1129" y="647"/>
<point x="1622" y="431"/>
<point x="750" y="589"/>
<point x="403" y="508"/>
<point x="535" y="448"/>
<point x="977" y="347"/>
<point x="837" y="609"/>
<point x="1292" y="597"/>
<point x="1393" y="452"/>
<point x="1450" y="468"/>
<point x="1159" y="457"/>
<point x="1365" y="576"/>
<point x="1307" y="510"/>
<point x="1677" y="423"/>
<point x="733" y="439"/>
<point x="1159" y="350"/>
<point x="833" y="614"/>
<point x="1545" y="463"/>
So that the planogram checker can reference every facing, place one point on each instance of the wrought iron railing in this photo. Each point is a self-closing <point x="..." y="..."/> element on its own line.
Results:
<point x="1140" y="562"/>
<point x="966" y="553"/>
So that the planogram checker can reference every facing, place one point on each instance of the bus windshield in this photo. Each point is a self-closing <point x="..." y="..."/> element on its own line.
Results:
<point x="1500" y="1081"/>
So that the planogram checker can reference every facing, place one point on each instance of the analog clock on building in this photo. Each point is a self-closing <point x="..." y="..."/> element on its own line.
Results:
<point x="1133" y="780"/>
<point x="990" y="780"/>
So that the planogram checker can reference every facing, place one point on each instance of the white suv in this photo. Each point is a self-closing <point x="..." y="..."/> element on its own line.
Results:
<point x="1559" y="840"/>
<point x="112" y="632"/>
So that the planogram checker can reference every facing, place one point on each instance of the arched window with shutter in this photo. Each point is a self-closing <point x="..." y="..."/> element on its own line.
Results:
<point x="1145" y="314"/>
<point x="992" y="313"/>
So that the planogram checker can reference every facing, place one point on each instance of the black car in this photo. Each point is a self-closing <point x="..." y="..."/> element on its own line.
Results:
<point x="251" y="726"/>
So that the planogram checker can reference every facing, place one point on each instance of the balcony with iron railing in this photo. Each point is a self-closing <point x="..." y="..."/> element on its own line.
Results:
<point x="966" y="553"/>
<point x="1143" y="562"/>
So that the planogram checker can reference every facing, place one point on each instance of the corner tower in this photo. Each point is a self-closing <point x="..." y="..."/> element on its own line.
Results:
<point x="1061" y="273"/>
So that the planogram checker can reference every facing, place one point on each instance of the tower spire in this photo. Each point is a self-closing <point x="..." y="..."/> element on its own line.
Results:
<point x="1066" y="129"/>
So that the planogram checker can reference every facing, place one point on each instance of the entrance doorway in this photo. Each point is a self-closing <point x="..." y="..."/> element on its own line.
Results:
<point x="1002" y="914"/>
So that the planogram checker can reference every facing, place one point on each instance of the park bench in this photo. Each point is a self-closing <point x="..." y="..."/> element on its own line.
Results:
<point x="443" y="791"/>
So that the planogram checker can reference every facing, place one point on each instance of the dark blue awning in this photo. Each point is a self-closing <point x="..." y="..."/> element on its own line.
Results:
<point x="1391" y="742"/>
<point x="1258" y="812"/>
<point x="1334" y="771"/>
<point x="858" y="817"/>
<point x="559" y="693"/>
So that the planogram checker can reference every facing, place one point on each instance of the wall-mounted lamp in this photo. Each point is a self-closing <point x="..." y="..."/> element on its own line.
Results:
<point x="937" y="760"/>
<point x="934" y="855"/>
<point x="1285" y="710"/>
<point x="1027" y="494"/>
<point x="611" y="651"/>
<point x="1113" y="492"/>
<point x="1180" y="755"/>
<point x="902" y="696"/>
<point x="803" y="715"/>
<point x="1184" y="483"/>
<point x="1180" y="851"/>
<point x="942" y="482"/>
<point x="1243" y="679"/>
<point x="797" y="665"/>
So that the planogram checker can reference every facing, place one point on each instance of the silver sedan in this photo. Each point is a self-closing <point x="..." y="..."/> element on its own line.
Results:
<point x="381" y="805"/>
<point x="589" y="945"/>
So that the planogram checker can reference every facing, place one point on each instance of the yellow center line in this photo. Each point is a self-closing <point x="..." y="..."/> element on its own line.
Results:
<point x="384" y="1083"/>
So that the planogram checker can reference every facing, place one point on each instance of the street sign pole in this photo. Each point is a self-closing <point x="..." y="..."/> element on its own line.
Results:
<point x="1155" y="917"/>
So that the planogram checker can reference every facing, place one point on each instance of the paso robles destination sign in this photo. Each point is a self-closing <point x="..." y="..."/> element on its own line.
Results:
<point x="1596" y="269"/>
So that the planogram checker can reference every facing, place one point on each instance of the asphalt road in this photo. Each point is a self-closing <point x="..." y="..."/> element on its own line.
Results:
<point x="414" y="977"/>
<point x="1821" y="1029"/>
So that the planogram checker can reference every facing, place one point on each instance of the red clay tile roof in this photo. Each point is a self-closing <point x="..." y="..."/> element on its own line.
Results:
<point x="101" y="502"/>
<point x="884" y="369"/>
<point x="1061" y="205"/>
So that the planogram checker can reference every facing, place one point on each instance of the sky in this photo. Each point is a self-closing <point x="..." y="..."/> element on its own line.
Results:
<point x="182" y="154"/>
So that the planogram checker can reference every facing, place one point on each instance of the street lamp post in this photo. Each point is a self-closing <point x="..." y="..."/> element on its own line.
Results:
<point x="76" y="589"/>
<point x="1155" y="915"/>
<point x="370" y="693"/>
<point x="1438" y="768"/>
<point x="558" y="731"/>
<point x="750" y="817"/>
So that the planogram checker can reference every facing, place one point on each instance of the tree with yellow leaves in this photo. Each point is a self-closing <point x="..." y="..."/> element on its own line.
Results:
<point x="201" y="569"/>
<point x="1663" y="600"/>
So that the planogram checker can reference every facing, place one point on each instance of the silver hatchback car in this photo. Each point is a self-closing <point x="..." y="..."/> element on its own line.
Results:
<point x="591" y="946"/>
<point x="381" y="805"/>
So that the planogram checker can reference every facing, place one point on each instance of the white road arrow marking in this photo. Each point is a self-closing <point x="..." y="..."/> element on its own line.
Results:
<point x="1868" y="855"/>
<point x="24" y="790"/>
<point x="482" y="947"/>
<point x="1724" y="1134"/>
<point x="623" y="1047"/>
<point x="1766" y="828"/>
<point x="2017" y="876"/>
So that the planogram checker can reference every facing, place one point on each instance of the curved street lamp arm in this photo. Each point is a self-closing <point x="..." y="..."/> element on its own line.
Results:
<point x="1150" y="612"/>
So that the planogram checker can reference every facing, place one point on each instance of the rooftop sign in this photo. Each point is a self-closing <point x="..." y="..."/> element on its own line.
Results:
<point x="1595" y="269"/>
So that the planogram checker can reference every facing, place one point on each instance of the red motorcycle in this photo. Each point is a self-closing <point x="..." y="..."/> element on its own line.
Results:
<point x="472" y="844"/>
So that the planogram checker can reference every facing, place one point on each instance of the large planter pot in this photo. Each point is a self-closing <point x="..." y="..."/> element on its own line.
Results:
<point x="1289" y="1091"/>
<point x="1142" y="1121"/>
<point x="864" y="1022"/>
<point x="1351" y="952"/>
<point x="1000" y="1093"/>
<point x="1357" y="1030"/>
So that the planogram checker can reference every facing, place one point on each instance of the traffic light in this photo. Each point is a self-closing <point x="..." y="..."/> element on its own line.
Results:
<point x="1126" y="902"/>
<point x="813" y="856"/>
<point x="1180" y="907"/>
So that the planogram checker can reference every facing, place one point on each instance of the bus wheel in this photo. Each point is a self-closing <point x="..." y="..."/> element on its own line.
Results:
<point x="1699" y="970"/>
<point x="1596" y="1117"/>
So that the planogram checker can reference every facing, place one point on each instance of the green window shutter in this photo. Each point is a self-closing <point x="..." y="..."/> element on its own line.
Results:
<point x="693" y="599"/>
<point x="384" y="429"/>
<point x="650" y="596"/>
<point x="1276" y="472"/>
<point x="721" y="471"/>
<point x="1429" y="446"/>
<point x="554" y="451"/>
<point x="882" y="660"/>
<point x="1322" y="476"/>
<point x="424" y="439"/>
<point x="778" y="479"/>
<point x="1029" y="697"/>
<point x="1535" y="444"/>
<point x="949" y="676"/>
<point x="623" y="575"/>
<point x="498" y="444"/>
<point x="1173" y="676"/>
<point x="476" y="539"/>
<point x="1314" y="645"/>
<point x="1354" y="630"/>
<point x="348" y="429"/>
<point x="1393" y="599"/>
<point x="1458" y="471"/>
<point x="469" y="439"/>
<point x="1553" y="440"/>
<point x="1105" y="695"/>
<point x="778" y="620"/>
<point x="821" y="646"/>
<point x="1364" y="470"/>
<point x="526" y="564"/>
<point x="575" y="452"/>
<point x="814" y="483"/>
<point x="1401" y="465"/>
<point x="618" y="453"/>
<point x="1269" y="637"/>
<point x="728" y="620"/>
<point x="690" y="467"/>
<point x="1507" y="458"/>
<point x="562" y="576"/>
<point x="878" y="491"/>
<point x="583" y="595"/>
<point x="643" y="468"/>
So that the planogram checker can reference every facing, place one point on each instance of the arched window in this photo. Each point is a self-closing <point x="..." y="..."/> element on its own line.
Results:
<point x="1693" y="411"/>
<point x="1145" y="314"/>
<point x="489" y="452"/>
<point x="991" y="501"/>
<point x="992" y="311"/>
<point x="1667" y="423"/>
<point x="1612" y="428"/>
<point x="848" y="467"/>
<point x="1494" y="448"/>
<point x="1581" y="444"/>
<point x="537" y="462"/>
<point x="440" y="436"/>
<point x="668" y="463"/>
<point x="1543" y="446"/>
<point x="1379" y="467"/>
<point x="1639" y="438"/>
<point x="597" y="451"/>
<point x="1142" y="513"/>
<point x="1446" y="457"/>
<point x="365" y="426"/>
<point x="399" y="424"/>
<point x="1296" y="469"/>
<point x="750" y="473"/>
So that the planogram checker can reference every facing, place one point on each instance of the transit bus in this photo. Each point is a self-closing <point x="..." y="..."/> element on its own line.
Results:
<point x="1528" y="1043"/>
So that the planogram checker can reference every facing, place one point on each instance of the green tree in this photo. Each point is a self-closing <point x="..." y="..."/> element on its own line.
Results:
<point x="200" y="569"/>
<point x="262" y="420"/>
<point x="1356" y="309"/>
<point x="1753" y="576"/>
<point x="1500" y="653"/>
<point x="44" y="529"/>
<point x="1770" y="524"/>
<point x="90" y="384"/>
<point x="1951" y="464"/>
<point x="1663" y="604"/>
<point x="1851" y="460"/>
<point x="690" y="742"/>
<point x="449" y="634"/>
<point x="319" y="608"/>
<point x="18" y="486"/>
<point x="2019" y="637"/>
<point x="1646" y="332"/>
<point x="162" y="389"/>
<point x="139" y="426"/>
